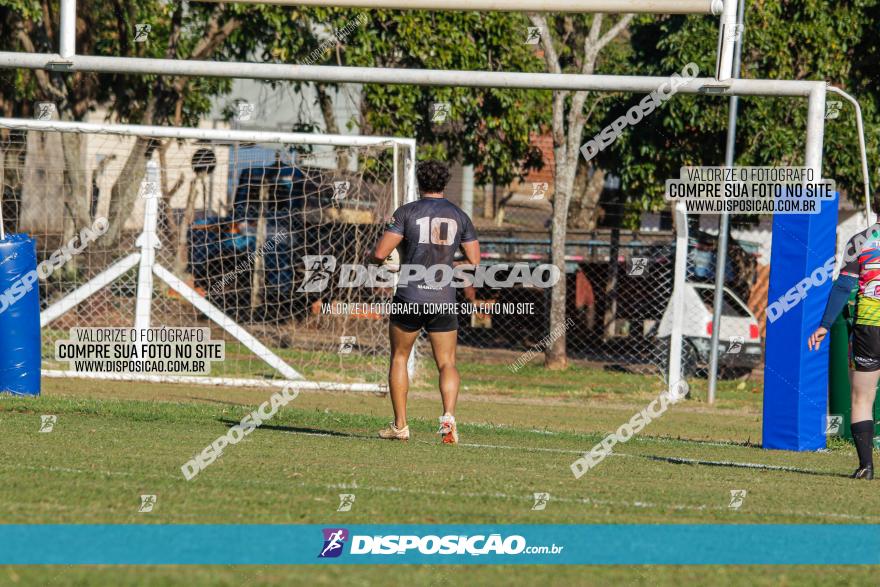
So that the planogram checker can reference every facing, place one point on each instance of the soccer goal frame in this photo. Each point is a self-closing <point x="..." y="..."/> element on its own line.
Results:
<point x="403" y="189"/>
<point x="67" y="60"/>
<point x="721" y="85"/>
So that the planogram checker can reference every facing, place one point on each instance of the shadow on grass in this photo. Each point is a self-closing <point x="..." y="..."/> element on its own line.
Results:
<point x="736" y="465"/>
<point x="743" y="444"/>
<point x="300" y="430"/>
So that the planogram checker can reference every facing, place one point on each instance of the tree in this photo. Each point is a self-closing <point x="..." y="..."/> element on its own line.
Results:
<point x="310" y="36"/>
<point x="804" y="39"/>
<point x="572" y="44"/>
<point x="488" y="128"/>
<point x="107" y="27"/>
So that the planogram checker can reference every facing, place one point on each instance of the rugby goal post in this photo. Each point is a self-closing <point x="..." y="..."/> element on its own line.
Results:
<point x="210" y="227"/>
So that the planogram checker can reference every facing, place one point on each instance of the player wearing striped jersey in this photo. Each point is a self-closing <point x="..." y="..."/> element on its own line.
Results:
<point x="861" y="272"/>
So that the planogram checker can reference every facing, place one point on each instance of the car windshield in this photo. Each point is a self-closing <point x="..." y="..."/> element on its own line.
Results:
<point x="729" y="305"/>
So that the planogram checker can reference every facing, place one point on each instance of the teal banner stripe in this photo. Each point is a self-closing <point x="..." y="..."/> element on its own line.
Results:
<point x="426" y="544"/>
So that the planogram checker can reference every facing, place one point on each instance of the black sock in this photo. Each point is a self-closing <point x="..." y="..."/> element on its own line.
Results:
<point x="863" y="435"/>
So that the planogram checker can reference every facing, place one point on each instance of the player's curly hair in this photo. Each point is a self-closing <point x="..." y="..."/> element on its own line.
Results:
<point x="432" y="176"/>
<point x="875" y="202"/>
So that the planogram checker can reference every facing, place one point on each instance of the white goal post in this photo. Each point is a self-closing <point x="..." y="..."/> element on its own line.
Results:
<point x="388" y="182"/>
<point x="722" y="84"/>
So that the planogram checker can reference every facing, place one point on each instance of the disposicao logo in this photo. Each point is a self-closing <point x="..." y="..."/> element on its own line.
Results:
<point x="334" y="540"/>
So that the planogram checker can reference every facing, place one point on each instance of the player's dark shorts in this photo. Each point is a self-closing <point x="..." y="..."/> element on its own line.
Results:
<point x="414" y="317"/>
<point x="866" y="347"/>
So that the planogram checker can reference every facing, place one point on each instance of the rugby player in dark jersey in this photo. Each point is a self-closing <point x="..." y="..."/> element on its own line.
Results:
<point x="428" y="233"/>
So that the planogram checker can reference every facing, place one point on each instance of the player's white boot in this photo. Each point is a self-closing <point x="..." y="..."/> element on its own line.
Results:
<point x="392" y="432"/>
<point x="448" y="431"/>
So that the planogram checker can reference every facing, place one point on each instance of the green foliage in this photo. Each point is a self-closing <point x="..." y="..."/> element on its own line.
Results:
<point x="486" y="127"/>
<point x="793" y="39"/>
<point x="490" y="128"/>
<point x="107" y="28"/>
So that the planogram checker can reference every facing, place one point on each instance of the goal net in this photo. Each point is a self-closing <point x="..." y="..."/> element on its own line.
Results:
<point x="234" y="231"/>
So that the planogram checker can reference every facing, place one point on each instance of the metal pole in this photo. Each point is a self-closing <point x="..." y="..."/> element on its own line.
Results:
<point x="729" y="44"/>
<point x="860" y="129"/>
<point x="201" y="134"/>
<point x="392" y="76"/>
<point x="467" y="190"/>
<point x="67" y="29"/>
<point x="816" y="130"/>
<point x="724" y="221"/>
<point x="148" y="243"/>
<point x="88" y="289"/>
<point x="412" y="192"/>
<point x="412" y="363"/>
<point x="395" y="197"/>
<point x="678" y="285"/>
<point x="585" y="6"/>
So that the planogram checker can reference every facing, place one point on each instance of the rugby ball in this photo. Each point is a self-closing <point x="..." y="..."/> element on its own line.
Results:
<point x="392" y="261"/>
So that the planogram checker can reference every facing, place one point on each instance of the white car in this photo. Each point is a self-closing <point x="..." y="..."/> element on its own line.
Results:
<point x="739" y="345"/>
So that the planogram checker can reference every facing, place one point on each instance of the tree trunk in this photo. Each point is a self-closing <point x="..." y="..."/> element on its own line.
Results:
<point x="555" y="355"/>
<point x="258" y="277"/>
<point x="126" y="188"/>
<point x="77" y="198"/>
<point x="11" y="176"/>
<point x="588" y="185"/>
<point x="502" y="207"/>
<point x="569" y="120"/>
<point x="77" y="195"/>
<point x="325" y="101"/>
<point x="489" y="201"/>
<point x="167" y="191"/>
<point x="610" y="318"/>
<point x="189" y="213"/>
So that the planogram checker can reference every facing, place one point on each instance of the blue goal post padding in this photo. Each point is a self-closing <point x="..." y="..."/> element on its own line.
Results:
<point x="19" y="316"/>
<point x="795" y="378"/>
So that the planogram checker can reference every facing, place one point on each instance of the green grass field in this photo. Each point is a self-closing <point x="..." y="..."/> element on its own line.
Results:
<point x="520" y="432"/>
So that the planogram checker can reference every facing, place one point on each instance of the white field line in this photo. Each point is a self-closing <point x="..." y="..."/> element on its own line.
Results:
<point x="492" y="495"/>
<point x="585" y="500"/>
<point x="55" y="469"/>
<point x="673" y="460"/>
<point x="657" y="458"/>
<point x="644" y="438"/>
<point x="667" y="440"/>
<point x="660" y="458"/>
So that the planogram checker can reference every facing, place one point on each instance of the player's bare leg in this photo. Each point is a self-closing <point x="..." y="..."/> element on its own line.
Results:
<point x="864" y="389"/>
<point x="398" y="380"/>
<point x="444" y="345"/>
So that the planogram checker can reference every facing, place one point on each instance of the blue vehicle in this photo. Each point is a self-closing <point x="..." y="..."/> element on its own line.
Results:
<point x="296" y="209"/>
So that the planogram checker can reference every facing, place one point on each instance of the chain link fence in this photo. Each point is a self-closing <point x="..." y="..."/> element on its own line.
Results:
<point x="618" y="290"/>
<point x="238" y="231"/>
<point x="238" y="223"/>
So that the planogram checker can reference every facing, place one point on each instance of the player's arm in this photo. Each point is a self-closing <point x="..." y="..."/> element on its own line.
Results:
<point x="470" y="246"/>
<point x="840" y="293"/>
<point x="386" y="245"/>
<point x="847" y="281"/>
<point x="471" y="252"/>
<point x="391" y="239"/>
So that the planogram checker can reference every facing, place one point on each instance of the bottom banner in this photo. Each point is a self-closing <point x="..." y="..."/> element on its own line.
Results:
<point x="93" y="544"/>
